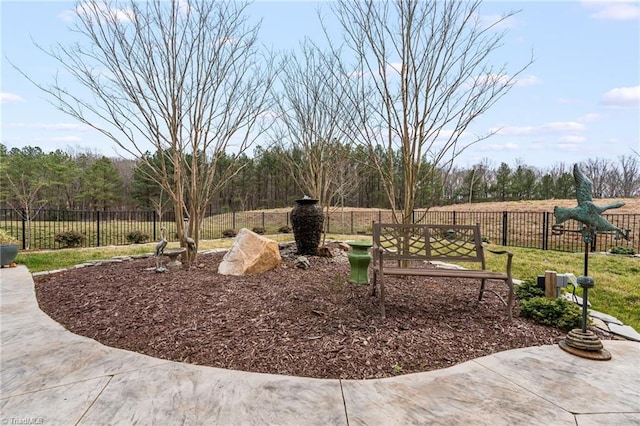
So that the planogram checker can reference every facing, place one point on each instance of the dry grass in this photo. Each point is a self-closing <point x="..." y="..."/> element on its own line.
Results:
<point x="632" y="206"/>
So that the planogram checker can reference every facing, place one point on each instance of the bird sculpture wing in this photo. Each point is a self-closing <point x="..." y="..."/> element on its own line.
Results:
<point x="584" y="187"/>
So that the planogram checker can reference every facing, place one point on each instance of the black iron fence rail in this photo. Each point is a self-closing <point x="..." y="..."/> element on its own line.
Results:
<point x="103" y="228"/>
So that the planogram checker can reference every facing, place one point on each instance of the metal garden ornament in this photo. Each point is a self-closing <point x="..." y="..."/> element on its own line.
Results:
<point x="585" y="343"/>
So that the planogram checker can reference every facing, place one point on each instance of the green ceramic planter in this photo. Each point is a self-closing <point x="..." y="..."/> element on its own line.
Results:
<point x="359" y="259"/>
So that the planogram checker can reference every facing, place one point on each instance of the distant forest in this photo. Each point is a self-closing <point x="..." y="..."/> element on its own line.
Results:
<point x="77" y="180"/>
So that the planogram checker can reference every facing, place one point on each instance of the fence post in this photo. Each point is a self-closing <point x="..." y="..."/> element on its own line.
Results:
<point x="98" y="228"/>
<point x="352" y="222"/>
<point x="593" y="242"/>
<point x="505" y="223"/>
<point x="23" y="214"/>
<point x="154" y="226"/>
<point x="262" y="219"/>
<point x="545" y="231"/>
<point x="233" y="220"/>
<point x="454" y="217"/>
<point x="379" y="216"/>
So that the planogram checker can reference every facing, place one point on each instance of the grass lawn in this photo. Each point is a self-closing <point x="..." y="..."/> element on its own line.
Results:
<point x="617" y="287"/>
<point x="616" y="292"/>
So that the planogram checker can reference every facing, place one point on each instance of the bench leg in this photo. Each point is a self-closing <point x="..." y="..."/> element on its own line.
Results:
<point x="374" y="283"/>
<point x="382" y="312"/>
<point x="510" y="299"/>
<point x="481" y="289"/>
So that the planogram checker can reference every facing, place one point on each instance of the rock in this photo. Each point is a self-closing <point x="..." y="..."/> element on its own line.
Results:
<point x="443" y="265"/>
<point x="598" y="323"/>
<point x="302" y="262"/>
<point x="324" y="251"/>
<point x="605" y="317"/>
<point x="625" y="331"/>
<point x="250" y="254"/>
<point x="344" y="246"/>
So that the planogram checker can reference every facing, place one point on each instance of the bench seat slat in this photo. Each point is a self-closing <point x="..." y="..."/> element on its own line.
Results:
<point x="451" y="273"/>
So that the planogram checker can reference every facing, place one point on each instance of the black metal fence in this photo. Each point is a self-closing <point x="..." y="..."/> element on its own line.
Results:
<point x="103" y="228"/>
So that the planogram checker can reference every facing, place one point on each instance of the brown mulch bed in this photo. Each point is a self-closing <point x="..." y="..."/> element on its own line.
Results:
<point x="311" y="323"/>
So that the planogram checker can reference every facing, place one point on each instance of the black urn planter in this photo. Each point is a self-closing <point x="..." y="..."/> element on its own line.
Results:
<point x="306" y="220"/>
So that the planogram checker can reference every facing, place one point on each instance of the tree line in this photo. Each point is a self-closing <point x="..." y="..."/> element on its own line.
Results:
<point x="83" y="180"/>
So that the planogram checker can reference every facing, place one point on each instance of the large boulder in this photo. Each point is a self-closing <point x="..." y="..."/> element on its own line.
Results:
<point x="250" y="254"/>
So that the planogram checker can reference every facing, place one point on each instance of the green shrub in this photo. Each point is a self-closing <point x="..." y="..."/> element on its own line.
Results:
<point x="259" y="230"/>
<point x="528" y="290"/>
<point x="558" y="312"/>
<point x="284" y="229"/>
<point x="70" y="238"/>
<point x="623" y="250"/>
<point x="137" y="237"/>
<point x="229" y="233"/>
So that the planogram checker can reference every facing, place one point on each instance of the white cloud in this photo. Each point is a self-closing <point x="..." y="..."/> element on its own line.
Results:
<point x="497" y="79"/>
<point x="543" y="129"/>
<point x="613" y="10"/>
<point x="394" y="67"/>
<point x="67" y="15"/>
<point x="527" y="80"/>
<point x="572" y="139"/>
<point x="589" y="117"/>
<point x="622" y="97"/>
<point x="562" y="126"/>
<point x="10" y="98"/>
<point x="90" y="10"/>
<point x="568" y="147"/>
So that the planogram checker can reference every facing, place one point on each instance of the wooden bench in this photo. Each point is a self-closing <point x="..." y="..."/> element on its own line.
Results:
<point x="411" y="249"/>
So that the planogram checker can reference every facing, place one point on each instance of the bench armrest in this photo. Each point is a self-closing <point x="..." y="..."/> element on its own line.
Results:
<point x="509" y="258"/>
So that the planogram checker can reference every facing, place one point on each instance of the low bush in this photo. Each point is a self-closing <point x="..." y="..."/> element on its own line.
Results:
<point x="528" y="290"/>
<point x="70" y="238"/>
<point x="229" y="233"/>
<point x="558" y="312"/>
<point x="284" y="229"/>
<point x="623" y="250"/>
<point x="137" y="237"/>
<point x="259" y="230"/>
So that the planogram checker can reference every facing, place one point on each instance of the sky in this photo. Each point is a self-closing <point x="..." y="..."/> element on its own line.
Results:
<point x="580" y="98"/>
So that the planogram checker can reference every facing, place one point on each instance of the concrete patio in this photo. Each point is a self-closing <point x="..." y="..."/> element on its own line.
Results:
<point x="53" y="377"/>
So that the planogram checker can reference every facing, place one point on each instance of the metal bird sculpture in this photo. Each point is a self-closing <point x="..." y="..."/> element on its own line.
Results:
<point x="586" y="212"/>
<point x="159" y="251"/>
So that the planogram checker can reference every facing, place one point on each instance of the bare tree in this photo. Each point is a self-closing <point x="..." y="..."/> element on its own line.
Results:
<point x="421" y="75"/>
<point x="308" y="124"/>
<point x="625" y="178"/>
<point x="186" y="79"/>
<point x="598" y="170"/>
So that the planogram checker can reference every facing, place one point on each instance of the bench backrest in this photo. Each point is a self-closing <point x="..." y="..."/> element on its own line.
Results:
<point x="454" y="243"/>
